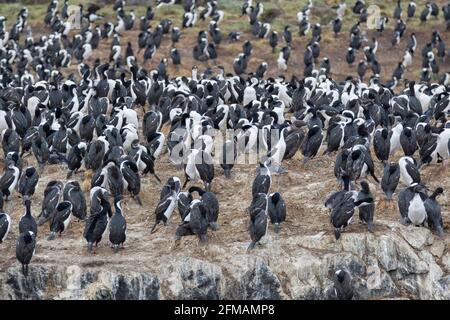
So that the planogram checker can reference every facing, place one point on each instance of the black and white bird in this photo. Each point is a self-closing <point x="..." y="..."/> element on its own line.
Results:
<point x="165" y="208"/>
<point x="295" y="135"/>
<point x="176" y="58"/>
<point x="52" y="194"/>
<point x="382" y="144"/>
<point x="407" y="58"/>
<point x="172" y="184"/>
<point x="5" y="223"/>
<point x="143" y="158"/>
<point x="97" y="221"/>
<point x="412" y="44"/>
<point x="152" y="122"/>
<point x="367" y="211"/>
<point x="287" y="35"/>
<point x="27" y="221"/>
<point x="155" y="144"/>
<point x="409" y="172"/>
<point x="277" y="210"/>
<point x="336" y="197"/>
<point x="75" y="157"/>
<point x="233" y="36"/>
<point x="360" y="163"/>
<point x="337" y="26"/>
<point x="434" y="214"/>
<point x="184" y="200"/>
<point x="41" y="151"/>
<point x="361" y="69"/>
<point x="10" y="141"/>
<point x="28" y="182"/>
<point x="9" y="180"/>
<point x="265" y="30"/>
<point x="283" y="59"/>
<point x="397" y="11"/>
<point x="131" y="179"/>
<point x="228" y="158"/>
<point x="110" y="177"/>
<point x="258" y="221"/>
<point x="390" y="179"/>
<point x="408" y="141"/>
<point x="312" y="143"/>
<point x="358" y="6"/>
<point x="189" y="19"/>
<point x="195" y="223"/>
<point x="398" y="72"/>
<point x="61" y="219"/>
<point x="426" y="13"/>
<point x="209" y="199"/>
<point x="25" y="249"/>
<point x="411" y="9"/>
<point x="117" y="227"/>
<point x="277" y="152"/>
<point x="161" y="3"/>
<point x="262" y="181"/>
<point x="91" y="14"/>
<point x="72" y="193"/>
<point x="411" y="204"/>
<point x="335" y="137"/>
<point x="199" y="166"/>
<point x="381" y="23"/>
<point x="342" y="285"/>
<point x="273" y="40"/>
<point x="342" y="213"/>
<point x="175" y="35"/>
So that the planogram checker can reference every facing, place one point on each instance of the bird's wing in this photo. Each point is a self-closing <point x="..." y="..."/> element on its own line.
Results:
<point x="93" y="8"/>
<point x="413" y="171"/>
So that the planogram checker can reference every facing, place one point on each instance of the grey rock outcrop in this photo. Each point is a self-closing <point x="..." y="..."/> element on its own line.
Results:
<point x="402" y="262"/>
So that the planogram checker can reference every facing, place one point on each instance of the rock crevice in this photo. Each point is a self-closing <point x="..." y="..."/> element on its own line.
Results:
<point x="405" y="262"/>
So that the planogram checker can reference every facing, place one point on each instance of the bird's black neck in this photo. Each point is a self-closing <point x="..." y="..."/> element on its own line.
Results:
<point x="28" y="208"/>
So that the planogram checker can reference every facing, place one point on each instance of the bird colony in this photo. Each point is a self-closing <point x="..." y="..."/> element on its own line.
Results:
<point x="107" y="121"/>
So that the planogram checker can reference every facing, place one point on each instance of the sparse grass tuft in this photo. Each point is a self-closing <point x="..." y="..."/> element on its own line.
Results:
<point x="270" y="14"/>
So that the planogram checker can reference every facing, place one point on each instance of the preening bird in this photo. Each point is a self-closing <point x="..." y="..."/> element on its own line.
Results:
<point x="258" y="221"/>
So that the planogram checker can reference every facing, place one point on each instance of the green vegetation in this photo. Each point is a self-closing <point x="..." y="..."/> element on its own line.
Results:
<point x="278" y="12"/>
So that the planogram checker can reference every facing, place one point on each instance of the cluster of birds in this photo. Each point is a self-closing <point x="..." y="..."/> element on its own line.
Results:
<point x="90" y="123"/>
<point x="430" y="66"/>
